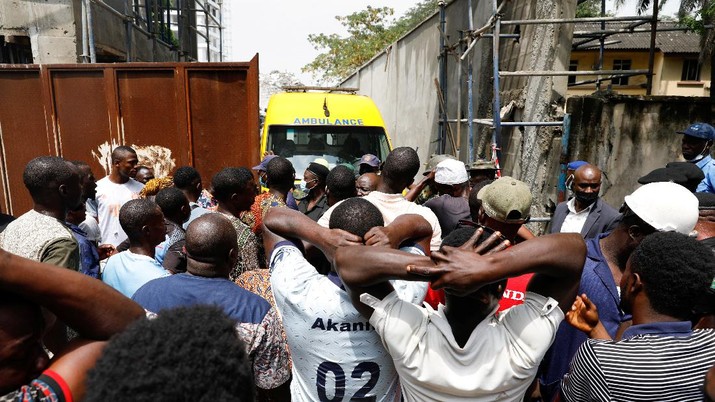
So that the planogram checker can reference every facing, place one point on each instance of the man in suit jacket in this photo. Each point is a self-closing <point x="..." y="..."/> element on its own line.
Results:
<point x="585" y="213"/>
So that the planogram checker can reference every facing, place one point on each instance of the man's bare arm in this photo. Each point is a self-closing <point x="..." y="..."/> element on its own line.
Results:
<point x="556" y="259"/>
<point x="283" y="223"/>
<point x="93" y="309"/>
<point x="405" y="227"/>
<point x="415" y="191"/>
<point x="365" y="269"/>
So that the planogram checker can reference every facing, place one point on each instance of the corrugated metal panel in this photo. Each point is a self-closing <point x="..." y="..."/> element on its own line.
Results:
<point x="666" y="41"/>
<point x="149" y="110"/>
<point x="82" y="119"/>
<point x="24" y="133"/>
<point x="206" y="114"/>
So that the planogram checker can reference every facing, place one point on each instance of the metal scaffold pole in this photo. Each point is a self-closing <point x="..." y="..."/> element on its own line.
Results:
<point x="496" y="135"/>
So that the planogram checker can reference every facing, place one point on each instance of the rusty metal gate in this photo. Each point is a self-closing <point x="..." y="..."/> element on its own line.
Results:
<point x="199" y="114"/>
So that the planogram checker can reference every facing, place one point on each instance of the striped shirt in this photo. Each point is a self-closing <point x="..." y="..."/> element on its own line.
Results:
<point x="653" y="362"/>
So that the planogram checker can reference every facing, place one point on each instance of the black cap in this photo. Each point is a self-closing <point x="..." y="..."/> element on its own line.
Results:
<point x="705" y="200"/>
<point x="684" y="173"/>
<point x="319" y="170"/>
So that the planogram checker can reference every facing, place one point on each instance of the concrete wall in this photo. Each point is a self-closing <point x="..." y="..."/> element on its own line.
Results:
<point x="55" y="31"/>
<point x="50" y="25"/>
<point x="528" y="152"/>
<point x="628" y="136"/>
<point x="401" y="81"/>
<point x="111" y="39"/>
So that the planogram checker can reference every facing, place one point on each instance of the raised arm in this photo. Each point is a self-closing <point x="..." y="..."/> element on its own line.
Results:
<point x="584" y="317"/>
<point x="365" y="269"/>
<point x="557" y="261"/>
<point x="93" y="309"/>
<point x="408" y="227"/>
<point x="415" y="191"/>
<point x="285" y="223"/>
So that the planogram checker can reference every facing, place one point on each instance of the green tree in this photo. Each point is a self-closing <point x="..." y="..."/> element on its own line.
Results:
<point x="370" y="31"/>
<point x="588" y="8"/>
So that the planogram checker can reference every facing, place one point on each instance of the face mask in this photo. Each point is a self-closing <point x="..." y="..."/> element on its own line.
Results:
<point x="303" y="186"/>
<point x="701" y="155"/>
<point x="569" y="182"/>
<point x="586" y="198"/>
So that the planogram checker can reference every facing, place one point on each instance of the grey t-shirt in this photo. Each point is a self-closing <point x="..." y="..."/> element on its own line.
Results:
<point x="449" y="210"/>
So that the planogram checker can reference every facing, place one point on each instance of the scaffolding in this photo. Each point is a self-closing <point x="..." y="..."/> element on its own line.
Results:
<point x="178" y="25"/>
<point x="493" y="29"/>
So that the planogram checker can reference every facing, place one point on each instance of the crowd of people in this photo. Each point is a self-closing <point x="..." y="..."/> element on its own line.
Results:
<point x="359" y="285"/>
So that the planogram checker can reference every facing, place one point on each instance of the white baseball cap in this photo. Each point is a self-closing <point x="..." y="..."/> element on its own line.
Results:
<point x="450" y="171"/>
<point x="668" y="207"/>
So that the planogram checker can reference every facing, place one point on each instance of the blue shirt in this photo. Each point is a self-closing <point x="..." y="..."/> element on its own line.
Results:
<point x="600" y="287"/>
<point x="678" y="329"/>
<point x="88" y="255"/>
<point x="127" y="272"/>
<point x="196" y="211"/>
<point x="189" y="290"/>
<point x="707" y="165"/>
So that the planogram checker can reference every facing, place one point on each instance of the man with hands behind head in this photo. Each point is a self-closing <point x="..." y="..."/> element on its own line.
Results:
<point x="464" y="350"/>
<point x="337" y="355"/>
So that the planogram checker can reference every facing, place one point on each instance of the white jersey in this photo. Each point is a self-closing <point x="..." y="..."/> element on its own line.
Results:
<point x="337" y="355"/>
<point x="497" y="363"/>
<point x="110" y="198"/>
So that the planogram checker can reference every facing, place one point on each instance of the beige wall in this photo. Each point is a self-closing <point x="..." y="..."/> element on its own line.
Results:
<point x="666" y="79"/>
<point x="670" y="83"/>
<point x="589" y="61"/>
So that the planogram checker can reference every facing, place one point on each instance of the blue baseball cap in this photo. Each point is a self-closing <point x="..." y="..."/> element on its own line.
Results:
<point x="575" y="165"/>
<point x="700" y="130"/>
<point x="370" y="159"/>
<point x="264" y="163"/>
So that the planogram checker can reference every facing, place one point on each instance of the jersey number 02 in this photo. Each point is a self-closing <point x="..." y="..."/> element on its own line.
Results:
<point x="361" y="395"/>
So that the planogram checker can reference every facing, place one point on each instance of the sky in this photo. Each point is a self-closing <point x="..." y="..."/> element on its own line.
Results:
<point x="278" y="29"/>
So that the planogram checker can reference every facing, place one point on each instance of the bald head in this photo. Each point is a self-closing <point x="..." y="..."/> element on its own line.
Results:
<point x="366" y="183"/>
<point x="211" y="246"/>
<point x="586" y="185"/>
<point x="588" y="172"/>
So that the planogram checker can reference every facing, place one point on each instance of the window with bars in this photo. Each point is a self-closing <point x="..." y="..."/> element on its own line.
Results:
<point x="621" y="64"/>
<point x="691" y="70"/>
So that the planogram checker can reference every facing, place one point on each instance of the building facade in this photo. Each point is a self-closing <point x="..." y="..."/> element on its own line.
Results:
<point x="107" y="31"/>
<point x="677" y="70"/>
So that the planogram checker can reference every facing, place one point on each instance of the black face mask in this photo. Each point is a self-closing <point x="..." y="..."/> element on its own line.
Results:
<point x="586" y="198"/>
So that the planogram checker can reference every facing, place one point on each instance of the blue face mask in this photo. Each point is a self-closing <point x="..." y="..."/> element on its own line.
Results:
<point x="303" y="186"/>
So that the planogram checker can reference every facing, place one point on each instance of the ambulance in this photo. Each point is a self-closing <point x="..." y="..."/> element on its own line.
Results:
<point x="335" y="124"/>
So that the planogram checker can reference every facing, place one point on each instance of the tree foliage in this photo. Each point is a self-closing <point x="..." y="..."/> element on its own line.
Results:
<point x="275" y="80"/>
<point x="369" y="32"/>
<point x="694" y="14"/>
<point x="588" y="8"/>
